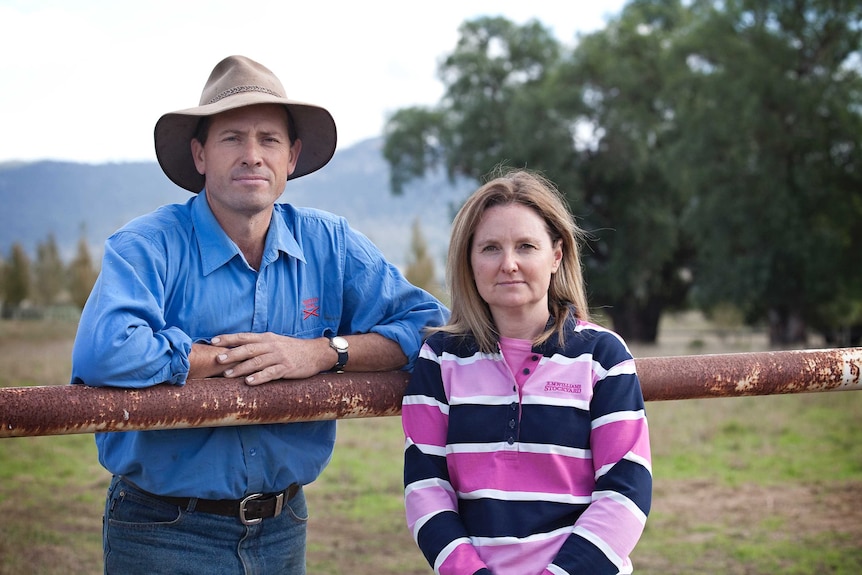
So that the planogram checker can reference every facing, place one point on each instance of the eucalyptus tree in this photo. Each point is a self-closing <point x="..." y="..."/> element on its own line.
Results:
<point x="771" y="145"/>
<point x="512" y="98"/>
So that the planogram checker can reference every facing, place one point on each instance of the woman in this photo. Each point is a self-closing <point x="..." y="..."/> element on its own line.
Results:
<point x="527" y="448"/>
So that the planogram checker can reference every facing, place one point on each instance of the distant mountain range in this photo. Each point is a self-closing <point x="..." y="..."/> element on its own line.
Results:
<point x="93" y="200"/>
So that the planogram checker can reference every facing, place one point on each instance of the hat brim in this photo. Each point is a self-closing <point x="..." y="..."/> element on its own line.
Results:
<point x="174" y="132"/>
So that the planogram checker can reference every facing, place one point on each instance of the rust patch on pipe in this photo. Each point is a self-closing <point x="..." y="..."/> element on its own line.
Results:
<point x="71" y="409"/>
<point x="760" y="373"/>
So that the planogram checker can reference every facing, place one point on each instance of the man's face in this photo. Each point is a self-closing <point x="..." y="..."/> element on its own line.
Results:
<point x="246" y="159"/>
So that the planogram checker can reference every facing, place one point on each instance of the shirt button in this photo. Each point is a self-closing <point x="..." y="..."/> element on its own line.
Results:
<point x="510" y="440"/>
<point x="535" y="358"/>
<point x="514" y="406"/>
<point x="252" y="451"/>
<point x="511" y="424"/>
<point x="526" y="371"/>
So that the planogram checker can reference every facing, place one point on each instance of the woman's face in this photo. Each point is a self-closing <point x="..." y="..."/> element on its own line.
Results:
<point x="513" y="257"/>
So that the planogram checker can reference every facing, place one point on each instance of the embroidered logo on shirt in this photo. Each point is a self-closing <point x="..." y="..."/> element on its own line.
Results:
<point x="564" y="387"/>
<point x="310" y="308"/>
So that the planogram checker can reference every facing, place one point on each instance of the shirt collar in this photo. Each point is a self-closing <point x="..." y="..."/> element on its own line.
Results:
<point x="216" y="248"/>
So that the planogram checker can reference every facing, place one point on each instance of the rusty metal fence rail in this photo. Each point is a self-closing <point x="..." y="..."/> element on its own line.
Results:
<point x="68" y="409"/>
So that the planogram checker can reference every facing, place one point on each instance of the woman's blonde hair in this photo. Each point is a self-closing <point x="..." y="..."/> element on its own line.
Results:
<point x="469" y="312"/>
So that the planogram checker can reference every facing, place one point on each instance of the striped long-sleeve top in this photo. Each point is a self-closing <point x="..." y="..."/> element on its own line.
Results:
<point x="545" y="470"/>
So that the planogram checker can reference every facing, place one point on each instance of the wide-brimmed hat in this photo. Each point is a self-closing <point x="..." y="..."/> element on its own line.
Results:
<point x="235" y="82"/>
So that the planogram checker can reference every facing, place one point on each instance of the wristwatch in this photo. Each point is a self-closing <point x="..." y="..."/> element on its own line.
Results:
<point x="339" y="344"/>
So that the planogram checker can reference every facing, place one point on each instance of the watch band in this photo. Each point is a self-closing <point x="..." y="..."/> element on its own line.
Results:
<point x="339" y="344"/>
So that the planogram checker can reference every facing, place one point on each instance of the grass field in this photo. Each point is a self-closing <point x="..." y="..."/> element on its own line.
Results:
<point x="748" y="486"/>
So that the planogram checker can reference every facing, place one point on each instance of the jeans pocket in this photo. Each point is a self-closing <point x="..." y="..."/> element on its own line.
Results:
<point x="131" y="509"/>
<point x="297" y="508"/>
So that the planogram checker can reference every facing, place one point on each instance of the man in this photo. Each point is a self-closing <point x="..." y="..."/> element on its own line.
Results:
<point x="233" y="284"/>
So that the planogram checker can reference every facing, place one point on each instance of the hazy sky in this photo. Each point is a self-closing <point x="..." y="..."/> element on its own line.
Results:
<point x="86" y="80"/>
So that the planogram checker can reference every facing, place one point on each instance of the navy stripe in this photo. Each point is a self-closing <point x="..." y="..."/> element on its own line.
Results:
<point x="580" y="556"/>
<point x="630" y="479"/>
<point x="495" y="518"/>
<point x="470" y="423"/>
<point x="555" y="425"/>
<point x="437" y="533"/>
<point x="419" y="466"/>
<point x="614" y="394"/>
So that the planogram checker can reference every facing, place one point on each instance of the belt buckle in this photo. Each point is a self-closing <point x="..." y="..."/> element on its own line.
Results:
<point x="279" y="505"/>
<point x="243" y="519"/>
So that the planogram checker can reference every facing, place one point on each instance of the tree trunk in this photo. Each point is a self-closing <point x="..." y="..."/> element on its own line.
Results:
<point x="637" y="323"/>
<point x="786" y="328"/>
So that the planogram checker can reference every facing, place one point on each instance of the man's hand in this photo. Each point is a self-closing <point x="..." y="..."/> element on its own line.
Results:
<point x="264" y="357"/>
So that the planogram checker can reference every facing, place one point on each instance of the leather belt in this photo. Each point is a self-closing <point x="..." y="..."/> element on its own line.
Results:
<point x="250" y="510"/>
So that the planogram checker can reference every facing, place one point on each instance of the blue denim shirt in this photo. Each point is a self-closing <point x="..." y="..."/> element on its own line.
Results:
<point x="174" y="277"/>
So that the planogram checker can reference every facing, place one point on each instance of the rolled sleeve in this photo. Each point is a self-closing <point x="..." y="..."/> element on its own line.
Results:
<point x="122" y="338"/>
<point x="379" y="299"/>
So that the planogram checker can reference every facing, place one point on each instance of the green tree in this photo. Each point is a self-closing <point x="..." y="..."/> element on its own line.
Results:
<point x="511" y="98"/>
<point x="492" y="111"/>
<point x="420" y="266"/>
<point x="49" y="272"/>
<point x="82" y="274"/>
<point x="771" y="140"/>
<point x="612" y="88"/>
<point x="16" y="279"/>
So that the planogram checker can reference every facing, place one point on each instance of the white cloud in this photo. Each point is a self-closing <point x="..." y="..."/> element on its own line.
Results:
<point x="87" y="80"/>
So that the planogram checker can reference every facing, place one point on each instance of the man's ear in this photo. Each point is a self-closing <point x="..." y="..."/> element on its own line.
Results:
<point x="198" y="156"/>
<point x="295" y="149"/>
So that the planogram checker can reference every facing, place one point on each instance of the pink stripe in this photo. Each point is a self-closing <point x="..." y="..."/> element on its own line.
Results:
<point x="421" y="502"/>
<point x="463" y="559"/>
<point x="533" y="472"/>
<point x="614" y="524"/>
<point x="612" y="441"/>
<point x="424" y="424"/>
<point x="483" y="377"/>
<point x="517" y="559"/>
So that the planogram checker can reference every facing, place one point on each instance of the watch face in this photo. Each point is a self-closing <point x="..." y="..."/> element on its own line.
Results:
<point x="339" y="343"/>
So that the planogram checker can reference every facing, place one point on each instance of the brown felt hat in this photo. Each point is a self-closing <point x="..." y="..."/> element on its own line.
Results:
<point x="235" y="82"/>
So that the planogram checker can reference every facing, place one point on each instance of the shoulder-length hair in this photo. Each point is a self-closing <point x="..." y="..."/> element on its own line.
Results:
<point x="470" y="314"/>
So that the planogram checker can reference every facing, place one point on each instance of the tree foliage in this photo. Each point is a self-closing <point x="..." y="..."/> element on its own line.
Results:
<point x="16" y="278"/>
<point x="420" y="265"/>
<point x="49" y="273"/>
<point x="770" y="136"/>
<point x="711" y="148"/>
<point x="82" y="274"/>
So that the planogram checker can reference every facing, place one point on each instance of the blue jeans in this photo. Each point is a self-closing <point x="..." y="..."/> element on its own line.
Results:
<point x="146" y="536"/>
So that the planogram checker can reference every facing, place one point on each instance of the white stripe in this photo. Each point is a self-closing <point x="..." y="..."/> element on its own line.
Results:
<point x="623" y="368"/>
<point x="425" y="352"/>
<point x="622" y="500"/>
<point x="543" y="448"/>
<point x="561" y="359"/>
<point x="430" y="483"/>
<point x="642" y="461"/>
<point x="618" y="416"/>
<point x="480" y="400"/>
<point x="500" y="495"/>
<point x="581" y="404"/>
<point x="476" y="357"/>
<point x="428" y="449"/>
<point x="634" y="458"/>
<point x="556" y="570"/>
<point x="498" y="541"/>
<point x="425" y="400"/>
